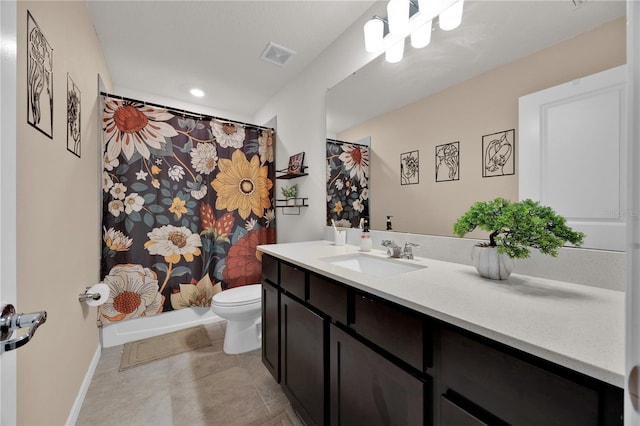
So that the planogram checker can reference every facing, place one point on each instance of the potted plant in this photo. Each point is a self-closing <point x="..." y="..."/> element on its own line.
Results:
<point x="513" y="227"/>
<point x="290" y="193"/>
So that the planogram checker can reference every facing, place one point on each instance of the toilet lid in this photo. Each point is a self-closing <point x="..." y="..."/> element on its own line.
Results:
<point x="243" y="295"/>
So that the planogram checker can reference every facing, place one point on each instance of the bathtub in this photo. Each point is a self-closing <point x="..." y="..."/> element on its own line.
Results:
<point x="140" y="328"/>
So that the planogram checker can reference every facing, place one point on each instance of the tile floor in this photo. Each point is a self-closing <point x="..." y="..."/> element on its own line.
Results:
<point x="201" y="387"/>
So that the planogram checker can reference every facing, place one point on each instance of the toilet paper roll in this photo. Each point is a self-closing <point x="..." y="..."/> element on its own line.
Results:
<point x="102" y="290"/>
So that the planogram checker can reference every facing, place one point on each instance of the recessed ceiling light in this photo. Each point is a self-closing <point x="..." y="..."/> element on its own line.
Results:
<point x="197" y="93"/>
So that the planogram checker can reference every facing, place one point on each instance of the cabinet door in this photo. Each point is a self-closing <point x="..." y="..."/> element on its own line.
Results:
<point x="367" y="389"/>
<point x="271" y="329"/>
<point x="303" y="372"/>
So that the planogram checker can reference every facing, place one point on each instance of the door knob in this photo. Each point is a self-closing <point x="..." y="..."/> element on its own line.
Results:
<point x="9" y="322"/>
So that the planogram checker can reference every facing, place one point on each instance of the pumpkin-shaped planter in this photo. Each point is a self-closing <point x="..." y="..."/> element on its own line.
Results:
<point x="491" y="264"/>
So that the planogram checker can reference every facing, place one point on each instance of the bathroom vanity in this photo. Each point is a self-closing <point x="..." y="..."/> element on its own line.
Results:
<point x="422" y="342"/>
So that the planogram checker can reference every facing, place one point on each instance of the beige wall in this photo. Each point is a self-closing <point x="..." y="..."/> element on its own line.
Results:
<point x="464" y="113"/>
<point x="58" y="229"/>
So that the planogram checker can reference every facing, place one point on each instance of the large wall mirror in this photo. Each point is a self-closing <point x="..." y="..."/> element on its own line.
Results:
<point x="448" y="106"/>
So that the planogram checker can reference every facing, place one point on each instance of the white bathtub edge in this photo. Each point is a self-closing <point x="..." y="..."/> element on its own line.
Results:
<point x="141" y="328"/>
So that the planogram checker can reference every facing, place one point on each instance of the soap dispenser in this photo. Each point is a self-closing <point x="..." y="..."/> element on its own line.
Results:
<point x="365" y="239"/>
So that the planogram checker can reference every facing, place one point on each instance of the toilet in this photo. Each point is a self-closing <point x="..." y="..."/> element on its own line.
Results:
<point x="242" y="308"/>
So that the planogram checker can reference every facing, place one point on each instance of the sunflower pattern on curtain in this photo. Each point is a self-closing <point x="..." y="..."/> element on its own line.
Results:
<point x="185" y="203"/>
<point x="347" y="183"/>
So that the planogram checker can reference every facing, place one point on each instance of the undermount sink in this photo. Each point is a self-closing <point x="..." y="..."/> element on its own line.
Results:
<point x="372" y="265"/>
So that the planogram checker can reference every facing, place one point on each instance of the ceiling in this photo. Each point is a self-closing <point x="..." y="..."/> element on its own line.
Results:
<point x="492" y="33"/>
<point x="167" y="47"/>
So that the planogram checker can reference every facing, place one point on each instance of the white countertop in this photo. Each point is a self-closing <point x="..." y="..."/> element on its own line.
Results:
<point x="577" y="326"/>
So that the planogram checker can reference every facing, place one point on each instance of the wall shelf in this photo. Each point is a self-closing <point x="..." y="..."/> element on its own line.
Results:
<point x="291" y="204"/>
<point x="284" y="174"/>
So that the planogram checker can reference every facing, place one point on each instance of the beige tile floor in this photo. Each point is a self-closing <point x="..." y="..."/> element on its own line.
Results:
<point x="201" y="387"/>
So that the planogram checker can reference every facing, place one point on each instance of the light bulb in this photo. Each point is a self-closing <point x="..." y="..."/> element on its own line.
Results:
<point x="398" y="15"/>
<point x="452" y="17"/>
<point x="395" y="52"/>
<point x="373" y="35"/>
<point x="421" y="37"/>
<point x="197" y="92"/>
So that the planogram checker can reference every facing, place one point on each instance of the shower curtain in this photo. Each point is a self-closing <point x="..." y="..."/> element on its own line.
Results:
<point x="186" y="200"/>
<point x="347" y="183"/>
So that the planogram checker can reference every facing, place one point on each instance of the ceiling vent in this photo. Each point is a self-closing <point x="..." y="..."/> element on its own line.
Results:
<point x="277" y="54"/>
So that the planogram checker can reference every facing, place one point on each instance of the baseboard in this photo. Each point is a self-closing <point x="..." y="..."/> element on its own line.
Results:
<point x="141" y="328"/>
<point x="82" y="393"/>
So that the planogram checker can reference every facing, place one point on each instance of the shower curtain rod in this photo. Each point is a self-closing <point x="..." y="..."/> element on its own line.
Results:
<point x="350" y="143"/>
<point x="185" y="113"/>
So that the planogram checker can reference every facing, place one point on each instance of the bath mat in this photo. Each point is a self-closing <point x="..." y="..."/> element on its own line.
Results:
<point x="158" y="347"/>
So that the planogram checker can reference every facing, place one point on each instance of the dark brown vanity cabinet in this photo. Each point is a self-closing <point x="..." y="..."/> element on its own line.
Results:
<point x="368" y="389"/>
<point x="303" y="360"/>
<point x="347" y="357"/>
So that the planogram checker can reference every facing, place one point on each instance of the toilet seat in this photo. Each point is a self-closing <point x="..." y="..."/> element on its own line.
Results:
<point x="238" y="296"/>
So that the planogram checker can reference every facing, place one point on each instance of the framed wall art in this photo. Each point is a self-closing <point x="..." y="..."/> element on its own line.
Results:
<point x="448" y="162"/>
<point x="410" y="168"/>
<point x="498" y="154"/>
<point x="39" y="79"/>
<point x="73" y="117"/>
<point x="295" y="163"/>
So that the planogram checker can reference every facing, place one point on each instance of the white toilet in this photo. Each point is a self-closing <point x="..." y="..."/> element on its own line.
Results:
<point x="242" y="308"/>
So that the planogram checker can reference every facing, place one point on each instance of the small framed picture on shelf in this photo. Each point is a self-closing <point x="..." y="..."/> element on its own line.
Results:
<point x="295" y="163"/>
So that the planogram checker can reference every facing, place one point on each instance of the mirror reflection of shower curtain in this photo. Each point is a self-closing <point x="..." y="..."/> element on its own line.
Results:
<point x="347" y="183"/>
<point x="186" y="200"/>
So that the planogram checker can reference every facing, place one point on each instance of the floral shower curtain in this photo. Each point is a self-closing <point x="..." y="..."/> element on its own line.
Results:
<point x="347" y="183"/>
<point x="186" y="200"/>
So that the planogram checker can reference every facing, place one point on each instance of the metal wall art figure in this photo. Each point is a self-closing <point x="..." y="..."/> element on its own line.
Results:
<point x="73" y="117"/>
<point x="39" y="79"/>
<point x="448" y="162"/>
<point x="498" y="152"/>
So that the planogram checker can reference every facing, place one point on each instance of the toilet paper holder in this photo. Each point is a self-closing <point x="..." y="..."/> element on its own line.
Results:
<point x="88" y="296"/>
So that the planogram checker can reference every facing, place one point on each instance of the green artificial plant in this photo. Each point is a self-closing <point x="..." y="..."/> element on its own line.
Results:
<point x="290" y="192"/>
<point x="515" y="226"/>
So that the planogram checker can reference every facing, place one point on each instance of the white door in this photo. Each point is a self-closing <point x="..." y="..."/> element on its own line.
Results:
<point x="573" y="154"/>
<point x="7" y="198"/>
<point x="632" y="385"/>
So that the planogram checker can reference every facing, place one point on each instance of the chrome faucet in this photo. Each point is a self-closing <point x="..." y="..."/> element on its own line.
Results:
<point x="407" y="253"/>
<point x="393" y="250"/>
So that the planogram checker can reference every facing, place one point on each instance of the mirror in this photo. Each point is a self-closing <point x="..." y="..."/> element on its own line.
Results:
<point x="445" y="105"/>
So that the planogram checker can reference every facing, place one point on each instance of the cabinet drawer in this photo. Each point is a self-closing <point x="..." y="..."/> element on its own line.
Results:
<point x="453" y="415"/>
<point x="270" y="269"/>
<point x="329" y="297"/>
<point x="397" y="330"/>
<point x="293" y="280"/>
<point x="511" y="388"/>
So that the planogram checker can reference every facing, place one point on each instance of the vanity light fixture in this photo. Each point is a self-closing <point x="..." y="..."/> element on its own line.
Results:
<point x="406" y="18"/>
<point x="451" y="18"/>
<point x="198" y="93"/>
